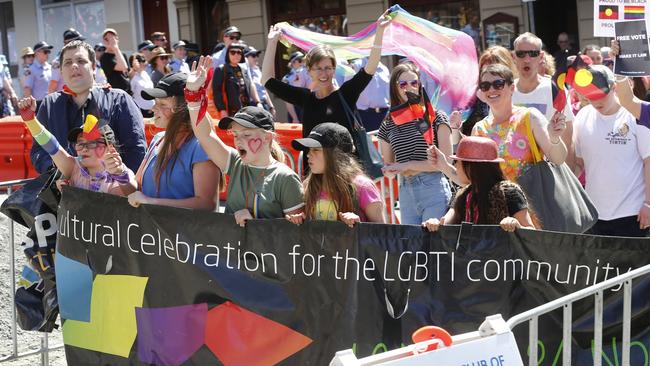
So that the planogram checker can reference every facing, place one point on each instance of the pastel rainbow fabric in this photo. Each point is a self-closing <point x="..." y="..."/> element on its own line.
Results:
<point x="448" y="56"/>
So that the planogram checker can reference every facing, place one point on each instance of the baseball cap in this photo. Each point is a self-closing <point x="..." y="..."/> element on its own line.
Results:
<point x="99" y="47"/>
<point x="42" y="45"/>
<point x="231" y="30"/>
<point x="168" y="86"/>
<point x="329" y="135"/>
<point x="72" y="34"/>
<point x="296" y="55"/>
<point x="249" y="117"/>
<point x="251" y="51"/>
<point x="179" y="44"/>
<point x="109" y="30"/>
<point x="146" y="45"/>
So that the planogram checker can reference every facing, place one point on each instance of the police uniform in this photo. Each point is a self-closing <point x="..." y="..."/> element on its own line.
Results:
<point x="56" y="74"/>
<point x="179" y="66"/>
<point x="38" y="79"/>
<point x="374" y="101"/>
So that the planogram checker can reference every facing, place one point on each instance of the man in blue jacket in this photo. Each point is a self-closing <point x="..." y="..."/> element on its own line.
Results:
<point x="62" y="111"/>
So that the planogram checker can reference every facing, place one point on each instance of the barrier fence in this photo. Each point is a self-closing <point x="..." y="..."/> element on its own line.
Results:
<point x="44" y="348"/>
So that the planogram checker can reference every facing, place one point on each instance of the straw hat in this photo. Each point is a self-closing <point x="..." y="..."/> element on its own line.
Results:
<point x="477" y="149"/>
<point x="26" y="51"/>
<point x="158" y="52"/>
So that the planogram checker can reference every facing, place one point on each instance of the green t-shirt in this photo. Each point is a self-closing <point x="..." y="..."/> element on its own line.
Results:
<point x="268" y="193"/>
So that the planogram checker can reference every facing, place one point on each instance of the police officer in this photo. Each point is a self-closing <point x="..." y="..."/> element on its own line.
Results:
<point x="145" y="48"/>
<point x="374" y="101"/>
<point x="178" y="64"/>
<point x="39" y="74"/>
<point x="297" y="76"/>
<point x="56" y="84"/>
<point x="230" y="35"/>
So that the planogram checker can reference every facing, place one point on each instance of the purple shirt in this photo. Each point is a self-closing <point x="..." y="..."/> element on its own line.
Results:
<point x="644" y="119"/>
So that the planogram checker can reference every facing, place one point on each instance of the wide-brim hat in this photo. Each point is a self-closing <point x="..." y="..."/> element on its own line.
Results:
<point x="477" y="149"/>
<point x="158" y="52"/>
<point x="26" y="51"/>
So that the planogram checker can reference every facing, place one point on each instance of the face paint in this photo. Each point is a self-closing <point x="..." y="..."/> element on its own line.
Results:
<point x="255" y="144"/>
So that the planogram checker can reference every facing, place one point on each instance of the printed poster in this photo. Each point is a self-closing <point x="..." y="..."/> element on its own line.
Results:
<point x="608" y="12"/>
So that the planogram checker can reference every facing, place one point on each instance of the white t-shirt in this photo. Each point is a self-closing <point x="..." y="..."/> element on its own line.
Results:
<point x="541" y="99"/>
<point x="140" y="81"/>
<point x="613" y="148"/>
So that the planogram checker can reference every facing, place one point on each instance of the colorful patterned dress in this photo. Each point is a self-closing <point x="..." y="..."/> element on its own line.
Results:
<point x="512" y="139"/>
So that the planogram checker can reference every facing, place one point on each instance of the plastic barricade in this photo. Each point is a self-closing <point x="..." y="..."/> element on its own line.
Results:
<point x="13" y="150"/>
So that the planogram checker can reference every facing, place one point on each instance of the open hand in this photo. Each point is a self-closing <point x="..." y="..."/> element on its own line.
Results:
<point x="384" y="19"/>
<point x="199" y="73"/>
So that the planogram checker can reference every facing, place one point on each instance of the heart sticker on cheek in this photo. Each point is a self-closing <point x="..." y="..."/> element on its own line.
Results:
<point x="99" y="151"/>
<point x="255" y="144"/>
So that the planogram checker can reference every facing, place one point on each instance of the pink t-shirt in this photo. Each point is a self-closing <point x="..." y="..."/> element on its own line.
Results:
<point x="367" y="193"/>
<point x="100" y="182"/>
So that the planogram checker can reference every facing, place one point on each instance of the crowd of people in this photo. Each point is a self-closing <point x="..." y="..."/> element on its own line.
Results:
<point x="604" y="137"/>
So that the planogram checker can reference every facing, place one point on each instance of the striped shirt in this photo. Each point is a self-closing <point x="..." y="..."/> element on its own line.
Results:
<point x="406" y="140"/>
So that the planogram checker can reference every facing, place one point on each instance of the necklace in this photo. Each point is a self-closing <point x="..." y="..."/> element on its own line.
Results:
<point x="255" y="185"/>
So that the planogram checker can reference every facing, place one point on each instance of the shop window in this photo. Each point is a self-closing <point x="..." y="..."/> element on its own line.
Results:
<point x="56" y="16"/>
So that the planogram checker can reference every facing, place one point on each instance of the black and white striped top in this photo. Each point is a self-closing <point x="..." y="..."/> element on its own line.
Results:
<point x="406" y="140"/>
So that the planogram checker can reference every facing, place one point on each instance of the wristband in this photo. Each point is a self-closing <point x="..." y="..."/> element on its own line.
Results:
<point x="200" y="95"/>
<point x="122" y="178"/>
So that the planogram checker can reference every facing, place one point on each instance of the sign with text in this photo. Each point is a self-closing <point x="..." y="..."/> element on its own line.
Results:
<point x="634" y="56"/>
<point x="167" y="286"/>
<point x="608" y="12"/>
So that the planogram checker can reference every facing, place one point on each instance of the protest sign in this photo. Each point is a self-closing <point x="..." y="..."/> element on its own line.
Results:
<point x="608" y="12"/>
<point x="171" y="286"/>
<point x="634" y="56"/>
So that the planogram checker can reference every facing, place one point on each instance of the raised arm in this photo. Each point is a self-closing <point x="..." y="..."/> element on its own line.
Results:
<point x="624" y="89"/>
<point x="216" y="149"/>
<point x="64" y="161"/>
<point x="268" y="64"/>
<point x="375" y="53"/>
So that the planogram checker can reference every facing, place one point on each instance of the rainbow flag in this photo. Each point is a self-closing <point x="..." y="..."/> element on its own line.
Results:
<point x="448" y="56"/>
<point x="634" y="12"/>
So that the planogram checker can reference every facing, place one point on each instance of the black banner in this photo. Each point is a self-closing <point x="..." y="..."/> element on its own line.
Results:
<point x="166" y="286"/>
<point x="633" y="58"/>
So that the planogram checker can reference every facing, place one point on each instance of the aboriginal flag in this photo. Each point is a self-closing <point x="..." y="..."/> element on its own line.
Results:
<point x="608" y="12"/>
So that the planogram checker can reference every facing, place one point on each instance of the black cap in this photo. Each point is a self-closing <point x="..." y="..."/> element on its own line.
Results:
<point x="193" y="47"/>
<point x="100" y="47"/>
<point x="71" y="35"/>
<point x="249" y="51"/>
<point x="249" y="117"/>
<point x="74" y="133"/>
<point x="146" y="45"/>
<point x="230" y="30"/>
<point x="42" y="45"/>
<point x="170" y="85"/>
<point x="329" y="134"/>
<point x="296" y="55"/>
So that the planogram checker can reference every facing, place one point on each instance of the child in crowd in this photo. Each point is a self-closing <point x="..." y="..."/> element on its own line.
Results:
<point x="175" y="171"/>
<point x="489" y="199"/>
<point x="97" y="167"/>
<point x="261" y="185"/>
<point x="412" y="126"/>
<point x="336" y="187"/>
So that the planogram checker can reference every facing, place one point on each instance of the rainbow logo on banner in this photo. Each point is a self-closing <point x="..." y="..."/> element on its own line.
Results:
<point x="634" y="12"/>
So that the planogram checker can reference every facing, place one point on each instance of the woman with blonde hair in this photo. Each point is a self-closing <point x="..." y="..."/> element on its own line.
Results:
<point x="324" y="102"/>
<point x="176" y="170"/>
<point x="261" y="185"/>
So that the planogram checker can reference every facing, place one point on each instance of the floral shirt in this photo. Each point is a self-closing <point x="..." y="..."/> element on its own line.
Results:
<point x="512" y="139"/>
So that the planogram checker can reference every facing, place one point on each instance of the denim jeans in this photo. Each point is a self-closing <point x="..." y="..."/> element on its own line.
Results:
<point x="423" y="196"/>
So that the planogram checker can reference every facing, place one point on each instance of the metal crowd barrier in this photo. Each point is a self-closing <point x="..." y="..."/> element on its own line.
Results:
<point x="44" y="349"/>
<point x="566" y="302"/>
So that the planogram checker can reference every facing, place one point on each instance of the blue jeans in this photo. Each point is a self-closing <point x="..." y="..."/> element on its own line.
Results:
<point x="423" y="196"/>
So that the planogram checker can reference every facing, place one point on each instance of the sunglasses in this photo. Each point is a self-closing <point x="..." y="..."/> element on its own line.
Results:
<point x="497" y="84"/>
<point x="164" y="57"/>
<point x="233" y="38"/>
<point x="403" y="83"/>
<point x="531" y="53"/>
<point x="161" y="39"/>
<point x="235" y="52"/>
<point x="90" y="145"/>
